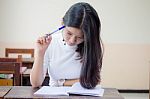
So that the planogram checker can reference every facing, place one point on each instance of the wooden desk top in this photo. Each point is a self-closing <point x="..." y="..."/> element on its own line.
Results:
<point x="28" y="92"/>
<point x="27" y="60"/>
<point x="4" y="90"/>
<point x="27" y="72"/>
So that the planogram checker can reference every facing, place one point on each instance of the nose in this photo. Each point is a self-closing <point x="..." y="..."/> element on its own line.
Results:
<point x="72" y="40"/>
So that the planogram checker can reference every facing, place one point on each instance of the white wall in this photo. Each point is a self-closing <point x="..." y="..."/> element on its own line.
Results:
<point x="125" y="26"/>
<point x="123" y="21"/>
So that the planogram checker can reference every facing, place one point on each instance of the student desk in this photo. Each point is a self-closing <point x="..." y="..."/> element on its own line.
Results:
<point x="27" y="62"/>
<point x="4" y="90"/>
<point x="27" y="92"/>
<point x="26" y="78"/>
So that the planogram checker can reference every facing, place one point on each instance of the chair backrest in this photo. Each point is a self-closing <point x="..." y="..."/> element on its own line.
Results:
<point x="6" y="59"/>
<point x="11" y="68"/>
<point x="18" y="51"/>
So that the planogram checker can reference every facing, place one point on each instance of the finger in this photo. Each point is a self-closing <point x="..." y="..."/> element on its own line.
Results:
<point x="48" y="39"/>
<point x="44" y="40"/>
<point x="40" y="40"/>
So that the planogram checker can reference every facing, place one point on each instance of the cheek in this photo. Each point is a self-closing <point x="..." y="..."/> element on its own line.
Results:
<point x="66" y="37"/>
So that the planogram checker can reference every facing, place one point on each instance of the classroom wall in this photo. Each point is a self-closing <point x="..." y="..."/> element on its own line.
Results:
<point x="125" y="34"/>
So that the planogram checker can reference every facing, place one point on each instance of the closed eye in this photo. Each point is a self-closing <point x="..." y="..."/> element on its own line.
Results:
<point x="69" y="33"/>
<point x="80" y="37"/>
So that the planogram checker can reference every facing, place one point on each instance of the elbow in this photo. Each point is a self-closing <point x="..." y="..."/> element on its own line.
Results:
<point x="35" y="83"/>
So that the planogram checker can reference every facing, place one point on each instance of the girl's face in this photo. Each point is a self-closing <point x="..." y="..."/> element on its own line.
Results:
<point x="73" y="36"/>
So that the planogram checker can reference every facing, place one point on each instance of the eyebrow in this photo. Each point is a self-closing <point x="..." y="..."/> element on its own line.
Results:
<point x="72" y="33"/>
<point x="68" y="30"/>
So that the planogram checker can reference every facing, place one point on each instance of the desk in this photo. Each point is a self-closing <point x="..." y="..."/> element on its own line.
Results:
<point x="26" y="78"/>
<point x="28" y="92"/>
<point x="26" y="73"/>
<point x="4" y="90"/>
<point x="27" y="62"/>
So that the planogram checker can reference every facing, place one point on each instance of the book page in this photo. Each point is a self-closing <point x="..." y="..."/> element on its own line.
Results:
<point x="75" y="89"/>
<point x="78" y="89"/>
<point x="47" y="90"/>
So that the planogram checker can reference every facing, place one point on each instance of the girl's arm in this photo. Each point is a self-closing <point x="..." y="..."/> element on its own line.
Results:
<point x="37" y="74"/>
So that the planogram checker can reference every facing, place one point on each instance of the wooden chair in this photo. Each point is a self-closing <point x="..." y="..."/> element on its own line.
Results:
<point x="18" y="51"/>
<point x="26" y="62"/>
<point x="6" y="59"/>
<point x="19" y="60"/>
<point x="11" y="68"/>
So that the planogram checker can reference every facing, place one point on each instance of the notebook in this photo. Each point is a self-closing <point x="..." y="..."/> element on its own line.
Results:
<point x="75" y="89"/>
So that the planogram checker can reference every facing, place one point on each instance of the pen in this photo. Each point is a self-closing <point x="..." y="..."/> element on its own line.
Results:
<point x="55" y="31"/>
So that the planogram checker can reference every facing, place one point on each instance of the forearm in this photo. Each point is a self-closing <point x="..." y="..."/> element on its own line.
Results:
<point x="37" y="74"/>
<point x="70" y="82"/>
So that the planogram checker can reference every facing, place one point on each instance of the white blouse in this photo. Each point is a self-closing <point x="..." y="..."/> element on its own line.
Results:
<point x="61" y="61"/>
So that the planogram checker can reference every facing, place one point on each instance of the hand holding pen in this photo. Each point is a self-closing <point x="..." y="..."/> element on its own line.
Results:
<point x="44" y="41"/>
<point x="55" y="31"/>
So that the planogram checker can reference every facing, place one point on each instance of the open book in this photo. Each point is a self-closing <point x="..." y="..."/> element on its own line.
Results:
<point x="75" y="89"/>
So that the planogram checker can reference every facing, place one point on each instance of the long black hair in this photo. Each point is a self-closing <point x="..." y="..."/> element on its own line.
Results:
<point x="84" y="16"/>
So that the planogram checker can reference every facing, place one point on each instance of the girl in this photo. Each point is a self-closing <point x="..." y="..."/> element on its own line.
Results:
<point x="75" y="55"/>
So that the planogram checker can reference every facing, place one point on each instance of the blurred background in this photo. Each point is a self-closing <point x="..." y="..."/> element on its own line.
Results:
<point x="125" y="34"/>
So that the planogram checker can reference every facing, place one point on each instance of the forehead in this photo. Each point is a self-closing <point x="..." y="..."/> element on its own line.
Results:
<point x="74" y="31"/>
